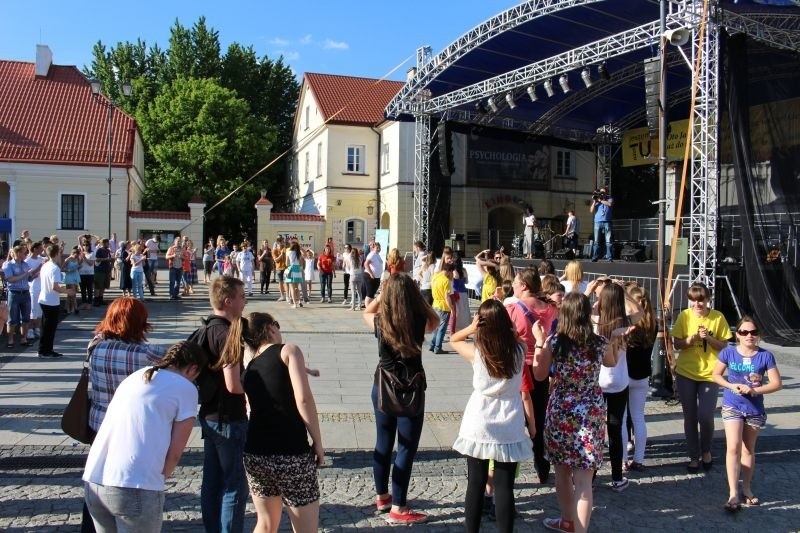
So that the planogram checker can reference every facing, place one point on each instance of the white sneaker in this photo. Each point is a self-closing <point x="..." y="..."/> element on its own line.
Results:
<point x="619" y="486"/>
<point x="30" y="336"/>
<point x="344" y="302"/>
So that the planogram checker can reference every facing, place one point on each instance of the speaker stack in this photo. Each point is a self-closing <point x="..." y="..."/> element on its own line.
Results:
<point x="564" y="254"/>
<point x="632" y="253"/>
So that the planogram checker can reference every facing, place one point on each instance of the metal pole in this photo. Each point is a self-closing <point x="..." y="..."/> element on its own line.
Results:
<point x="659" y="354"/>
<point x="110" y="141"/>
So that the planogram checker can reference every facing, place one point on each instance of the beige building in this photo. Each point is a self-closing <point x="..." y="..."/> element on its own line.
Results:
<point x="356" y="169"/>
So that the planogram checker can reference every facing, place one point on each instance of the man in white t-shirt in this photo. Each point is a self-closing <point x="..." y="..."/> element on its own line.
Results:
<point x="419" y="258"/>
<point x="49" y="300"/>
<point x="34" y="261"/>
<point x="373" y="270"/>
<point x="152" y="245"/>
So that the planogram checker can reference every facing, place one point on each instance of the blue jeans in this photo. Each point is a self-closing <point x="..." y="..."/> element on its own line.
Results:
<point x="19" y="307"/>
<point x="325" y="281"/>
<point x="224" y="491"/>
<point x="138" y="287"/>
<point x="153" y="266"/>
<point x="124" y="509"/>
<point x="605" y="228"/>
<point x="438" y="335"/>
<point x="408" y="431"/>
<point x="175" y="275"/>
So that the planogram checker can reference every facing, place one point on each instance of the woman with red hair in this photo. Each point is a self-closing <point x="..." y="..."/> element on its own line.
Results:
<point x="118" y="349"/>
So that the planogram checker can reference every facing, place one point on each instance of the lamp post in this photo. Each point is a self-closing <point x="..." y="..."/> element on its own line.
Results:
<point x="126" y="91"/>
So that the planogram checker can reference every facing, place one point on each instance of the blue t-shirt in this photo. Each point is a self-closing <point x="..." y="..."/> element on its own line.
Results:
<point x="602" y="213"/>
<point x="748" y="371"/>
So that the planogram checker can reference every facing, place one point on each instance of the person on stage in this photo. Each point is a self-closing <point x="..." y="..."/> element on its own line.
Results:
<point x="570" y="234"/>
<point x="529" y="220"/>
<point x="602" y="207"/>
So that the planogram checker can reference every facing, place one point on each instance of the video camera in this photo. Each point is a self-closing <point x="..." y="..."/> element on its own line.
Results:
<point x="597" y="194"/>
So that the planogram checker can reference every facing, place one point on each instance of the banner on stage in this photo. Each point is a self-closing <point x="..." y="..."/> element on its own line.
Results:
<point x="639" y="149"/>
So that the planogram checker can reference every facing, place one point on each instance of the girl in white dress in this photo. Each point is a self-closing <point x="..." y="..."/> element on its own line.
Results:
<point x="493" y="425"/>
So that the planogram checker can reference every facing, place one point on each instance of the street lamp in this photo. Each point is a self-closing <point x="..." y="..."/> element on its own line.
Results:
<point x="97" y="85"/>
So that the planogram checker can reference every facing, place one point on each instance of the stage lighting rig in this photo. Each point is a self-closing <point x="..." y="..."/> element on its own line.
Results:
<point x="564" y="82"/>
<point x="586" y="76"/>
<point x="602" y="70"/>
<point x="492" y="105"/>
<point x="532" y="93"/>
<point x="510" y="99"/>
<point x="548" y="88"/>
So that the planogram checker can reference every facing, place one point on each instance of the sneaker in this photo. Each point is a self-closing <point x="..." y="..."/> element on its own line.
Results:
<point x="352" y="308"/>
<point x="406" y="517"/>
<point x="51" y="355"/>
<point x="556" y="524"/>
<point x="344" y="302"/>
<point x="633" y="466"/>
<point x="385" y="504"/>
<point x="322" y="300"/>
<point x="630" y="446"/>
<point x="37" y="332"/>
<point x="30" y="336"/>
<point x="619" y="486"/>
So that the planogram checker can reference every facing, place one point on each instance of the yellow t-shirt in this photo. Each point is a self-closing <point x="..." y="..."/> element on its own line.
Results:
<point x="489" y="286"/>
<point x="441" y="286"/>
<point x="693" y="362"/>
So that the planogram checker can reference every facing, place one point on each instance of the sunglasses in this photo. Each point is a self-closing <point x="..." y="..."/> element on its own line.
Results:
<point x="276" y="324"/>
<point x="746" y="332"/>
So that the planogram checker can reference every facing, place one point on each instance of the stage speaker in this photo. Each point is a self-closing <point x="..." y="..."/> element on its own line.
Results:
<point x="445" y="137"/>
<point x="651" y="252"/>
<point x="652" y="91"/>
<point x="616" y="249"/>
<point x="538" y="250"/>
<point x="564" y="254"/>
<point x="632" y="254"/>
<point x="587" y="250"/>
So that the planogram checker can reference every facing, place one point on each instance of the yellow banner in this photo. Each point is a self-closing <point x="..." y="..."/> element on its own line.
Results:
<point x="639" y="149"/>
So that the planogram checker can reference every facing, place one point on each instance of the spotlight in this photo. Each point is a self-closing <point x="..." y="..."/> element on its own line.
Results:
<point x="532" y="93"/>
<point x="492" y="105"/>
<point x="602" y="70"/>
<point x="564" y="82"/>
<point x="548" y="88"/>
<point x="480" y="107"/>
<point x="586" y="76"/>
<point x="510" y="99"/>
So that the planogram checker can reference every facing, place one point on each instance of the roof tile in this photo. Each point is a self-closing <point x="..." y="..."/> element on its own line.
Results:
<point x="351" y="100"/>
<point x="297" y="217"/>
<point x="56" y="119"/>
<point x="168" y="215"/>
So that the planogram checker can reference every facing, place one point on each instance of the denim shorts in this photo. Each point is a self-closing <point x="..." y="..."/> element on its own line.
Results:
<point x="19" y="307"/>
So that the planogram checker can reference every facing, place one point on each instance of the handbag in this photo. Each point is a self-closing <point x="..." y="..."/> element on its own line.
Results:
<point x="75" y="420"/>
<point x="400" y="394"/>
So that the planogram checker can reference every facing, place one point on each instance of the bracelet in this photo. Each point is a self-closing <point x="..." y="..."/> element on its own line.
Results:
<point x="537" y="347"/>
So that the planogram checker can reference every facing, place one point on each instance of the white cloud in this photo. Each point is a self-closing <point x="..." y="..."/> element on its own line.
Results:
<point x="306" y="39"/>
<point x="330" y="44"/>
<point x="277" y="41"/>
<point x="288" y="55"/>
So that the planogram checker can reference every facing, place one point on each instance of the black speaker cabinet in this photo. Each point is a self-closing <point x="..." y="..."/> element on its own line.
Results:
<point x="564" y="254"/>
<point x="632" y="255"/>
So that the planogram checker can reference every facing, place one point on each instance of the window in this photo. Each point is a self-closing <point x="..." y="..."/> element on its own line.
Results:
<point x="72" y="211"/>
<point x="385" y="158"/>
<point x="306" y="170"/>
<point x="565" y="164"/>
<point x="355" y="233"/>
<point x="308" y="114"/>
<point x="355" y="159"/>
<point x="319" y="159"/>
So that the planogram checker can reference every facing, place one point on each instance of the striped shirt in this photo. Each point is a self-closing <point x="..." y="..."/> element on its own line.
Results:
<point x="111" y="362"/>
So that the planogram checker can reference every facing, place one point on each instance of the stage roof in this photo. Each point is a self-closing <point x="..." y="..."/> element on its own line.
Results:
<point x="536" y="41"/>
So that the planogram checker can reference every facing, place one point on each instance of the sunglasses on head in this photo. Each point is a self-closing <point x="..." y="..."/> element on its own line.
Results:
<point x="746" y="332"/>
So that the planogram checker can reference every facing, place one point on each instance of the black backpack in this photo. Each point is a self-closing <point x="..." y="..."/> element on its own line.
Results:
<point x="209" y="382"/>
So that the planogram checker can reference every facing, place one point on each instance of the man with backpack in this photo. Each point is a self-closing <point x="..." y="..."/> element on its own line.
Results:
<point x="223" y="416"/>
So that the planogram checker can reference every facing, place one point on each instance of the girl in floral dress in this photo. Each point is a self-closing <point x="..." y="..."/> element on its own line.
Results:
<point x="575" y="420"/>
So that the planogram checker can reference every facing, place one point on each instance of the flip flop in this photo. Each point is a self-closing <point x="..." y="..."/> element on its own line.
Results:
<point x="10" y="345"/>
<point x="751" y="500"/>
<point x="732" y="507"/>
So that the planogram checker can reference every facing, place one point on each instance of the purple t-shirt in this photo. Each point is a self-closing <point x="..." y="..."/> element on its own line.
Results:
<point x="748" y="371"/>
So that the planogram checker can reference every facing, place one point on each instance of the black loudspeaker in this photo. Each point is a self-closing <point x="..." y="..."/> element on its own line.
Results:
<point x="651" y="252"/>
<point x="632" y="254"/>
<point x="538" y="250"/>
<point x="652" y="88"/>
<point x="444" y="135"/>
<point x="564" y="254"/>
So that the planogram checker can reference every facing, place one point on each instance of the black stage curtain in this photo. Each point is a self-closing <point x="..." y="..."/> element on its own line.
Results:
<point x="769" y="226"/>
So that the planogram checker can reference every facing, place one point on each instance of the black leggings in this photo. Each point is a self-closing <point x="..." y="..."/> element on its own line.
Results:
<point x="616" y="402"/>
<point x="265" y="278"/>
<point x="477" y="474"/>
<point x="540" y="396"/>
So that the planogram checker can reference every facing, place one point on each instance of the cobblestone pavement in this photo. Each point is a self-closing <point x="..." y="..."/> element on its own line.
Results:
<point x="42" y="492"/>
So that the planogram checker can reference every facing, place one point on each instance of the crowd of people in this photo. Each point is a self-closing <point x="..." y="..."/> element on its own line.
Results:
<point x="560" y="373"/>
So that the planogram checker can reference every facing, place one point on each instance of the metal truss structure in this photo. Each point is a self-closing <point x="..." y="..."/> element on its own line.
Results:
<point x="782" y="31"/>
<point x="422" y="161"/>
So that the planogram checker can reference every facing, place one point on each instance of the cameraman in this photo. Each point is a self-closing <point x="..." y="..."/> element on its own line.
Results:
<point x="602" y="207"/>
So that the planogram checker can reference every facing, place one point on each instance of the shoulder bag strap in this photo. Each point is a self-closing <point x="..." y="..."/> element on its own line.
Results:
<point x="527" y="312"/>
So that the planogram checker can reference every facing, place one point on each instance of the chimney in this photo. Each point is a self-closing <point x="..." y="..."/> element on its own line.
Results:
<point x="44" y="58"/>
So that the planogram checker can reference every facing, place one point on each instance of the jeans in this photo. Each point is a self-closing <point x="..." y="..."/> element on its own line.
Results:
<point x="120" y="509"/>
<point x="224" y="491"/>
<point x="616" y="402"/>
<point x="355" y="288"/>
<point x="153" y="264"/>
<point x="698" y="400"/>
<point x="605" y="229"/>
<point x="325" y="280"/>
<point x="175" y="275"/>
<point x="408" y="431"/>
<point x="346" y="285"/>
<point x="540" y="396"/>
<point x="19" y="307"/>
<point x="637" y="396"/>
<point x="138" y="288"/>
<point x="438" y="335"/>
<point x="477" y="474"/>
<point x="49" y="324"/>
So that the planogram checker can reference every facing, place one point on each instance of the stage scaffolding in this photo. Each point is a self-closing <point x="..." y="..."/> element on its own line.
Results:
<point x="773" y="29"/>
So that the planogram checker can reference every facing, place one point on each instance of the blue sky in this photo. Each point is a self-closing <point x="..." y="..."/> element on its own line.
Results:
<point x="350" y="37"/>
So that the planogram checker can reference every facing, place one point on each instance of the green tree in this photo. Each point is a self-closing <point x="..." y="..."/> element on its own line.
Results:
<point x="224" y="137"/>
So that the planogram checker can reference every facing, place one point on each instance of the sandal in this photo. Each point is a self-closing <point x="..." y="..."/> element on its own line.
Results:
<point x="693" y="467"/>
<point x="732" y="506"/>
<point x="751" y="500"/>
<point x="10" y="345"/>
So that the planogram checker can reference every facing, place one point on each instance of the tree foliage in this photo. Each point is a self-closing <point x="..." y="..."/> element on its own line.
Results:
<point x="209" y="121"/>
